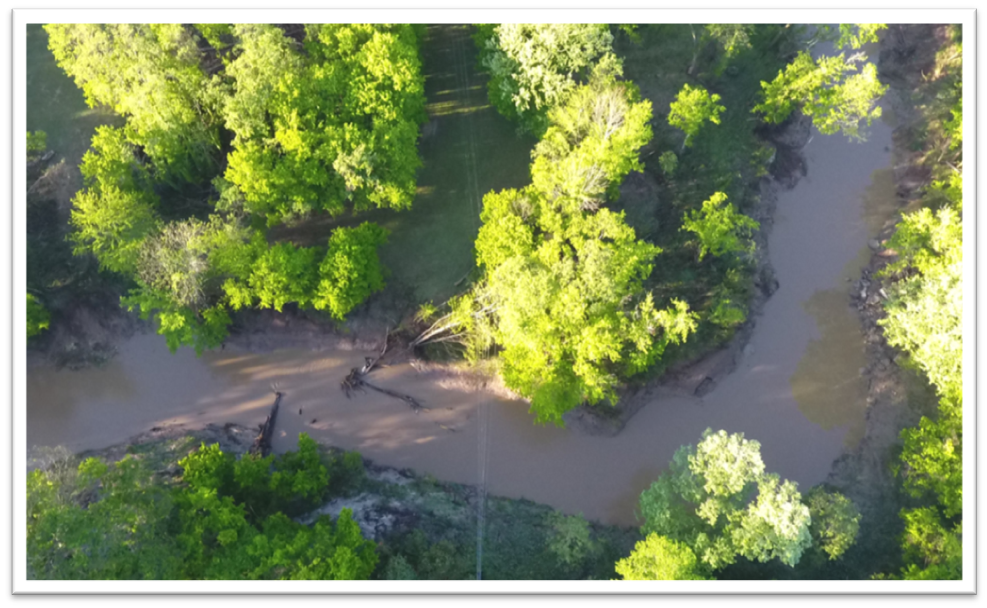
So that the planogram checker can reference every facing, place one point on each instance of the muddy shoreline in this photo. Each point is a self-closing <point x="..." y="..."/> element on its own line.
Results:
<point x="897" y="397"/>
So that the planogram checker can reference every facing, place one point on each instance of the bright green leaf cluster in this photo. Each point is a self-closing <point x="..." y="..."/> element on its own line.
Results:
<point x="112" y="217"/>
<point x="825" y="90"/>
<point x="857" y="35"/>
<point x="692" y="107"/>
<point x="37" y="316"/>
<point x="562" y="294"/>
<point x="720" y="227"/>
<point x="707" y="501"/>
<point x="334" y="125"/>
<point x="835" y="521"/>
<point x="569" y="539"/>
<point x="230" y="519"/>
<point x="149" y="73"/>
<point x="533" y="67"/>
<point x="37" y="144"/>
<point x="657" y="558"/>
<point x="351" y="271"/>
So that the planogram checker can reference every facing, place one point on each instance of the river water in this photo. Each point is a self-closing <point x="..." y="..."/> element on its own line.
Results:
<point x="798" y="391"/>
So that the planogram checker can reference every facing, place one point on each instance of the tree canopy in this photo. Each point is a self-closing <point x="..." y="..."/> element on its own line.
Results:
<point x="657" y="558"/>
<point x="149" y="73"/>
<point x="228" y="518"/>
<point x="534" y="66"/>
<point x="118" y="209"/>
<point x="38" y="318"/>
<point x="829" y="89"/>
<point x="331" y="124"/>
<point x="717" y="499"/>
<point x="720" y="227"/>
<point x="692" y="107"/>
<point x="562" y="292"/>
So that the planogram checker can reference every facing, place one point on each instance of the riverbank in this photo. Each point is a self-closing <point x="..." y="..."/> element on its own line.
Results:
<point x="424" y="528"/>
<point x="898" y="395"/>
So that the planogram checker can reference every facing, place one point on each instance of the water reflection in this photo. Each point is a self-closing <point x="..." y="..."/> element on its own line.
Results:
<point x="827" y="383"/>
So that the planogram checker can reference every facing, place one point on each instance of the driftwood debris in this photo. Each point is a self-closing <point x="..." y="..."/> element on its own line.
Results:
<point x="356" y="380"/>
<point x="262" y="444"/>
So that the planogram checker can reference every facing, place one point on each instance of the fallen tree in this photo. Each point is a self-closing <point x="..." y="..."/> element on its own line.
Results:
<point x="356" y="380"/>
<point x="262" y="444"/>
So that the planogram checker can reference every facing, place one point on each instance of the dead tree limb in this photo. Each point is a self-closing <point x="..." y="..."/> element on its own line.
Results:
<point x="355" y="380"/>
<point x="262" y="444"/>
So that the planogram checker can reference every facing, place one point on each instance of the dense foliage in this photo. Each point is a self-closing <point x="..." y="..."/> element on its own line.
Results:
<point x="351" y="270"/>
<point x="828" y="89"/>
<point x="227" y="518"/>
<point x="720" y="227"/>
<point x="657" y="558"/>
<point x="118" y="209"/>
<point x="717" y="500"/>
<point x="835" y="521"/>
<point x="533" y="67"/>
<point x="37" y="316"/>
<point x="150" y="74"/>
<point x="925" y="320"/>
<point x="692" y="107"/>
<point x="562" y="290"/>
<point x="328" y="124"/>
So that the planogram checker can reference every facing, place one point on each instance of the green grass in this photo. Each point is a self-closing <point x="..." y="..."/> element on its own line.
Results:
<point x="56" y="106"/>
<point x="469" y="150"/>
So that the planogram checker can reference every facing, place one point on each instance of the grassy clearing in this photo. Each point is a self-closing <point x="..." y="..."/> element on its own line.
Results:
<point x="56" y="106"/>
<point x="468" y="149"/>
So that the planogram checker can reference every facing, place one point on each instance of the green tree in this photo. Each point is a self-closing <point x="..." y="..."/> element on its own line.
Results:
<point x="856" y="35"/>
<point x="121" y="521"/>
<point x="37" y="144"/>
<point x="720" y="227"/>
<point x="350" y="271"/>
<point x="562" y="294"/>
<point x="37" y="316"/>
<point x="284" y="273"/>
<point x="933" y="459"/>
<point x="533" y="67"/>
<point x="179" y="325"/>
<point x="332" y="125"/>
<point x="933" y="551"/>
<point x="825" y="90"/>
<point x="112" y="161"/>
<point x="657" y="558"/>
<point x="113" y="215"/>
<point x="99" y="522"/>
<point x="668" y="162"/>
<point x="569" y="538"/>
<point x="707" y="501"/>
<point x="835" y="521"/>
<point x="149" y="73"/>
<point x="731" y="37"/>
<point x="692" y="107"/>
<point x="182" y="274"/>
<point x="112" y="223"/>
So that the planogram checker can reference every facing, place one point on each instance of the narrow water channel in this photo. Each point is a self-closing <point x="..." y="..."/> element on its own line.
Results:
<point x="798" y="391"/>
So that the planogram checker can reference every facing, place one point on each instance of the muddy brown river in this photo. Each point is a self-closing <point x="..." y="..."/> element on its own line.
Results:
<point x="798" y="391"/>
